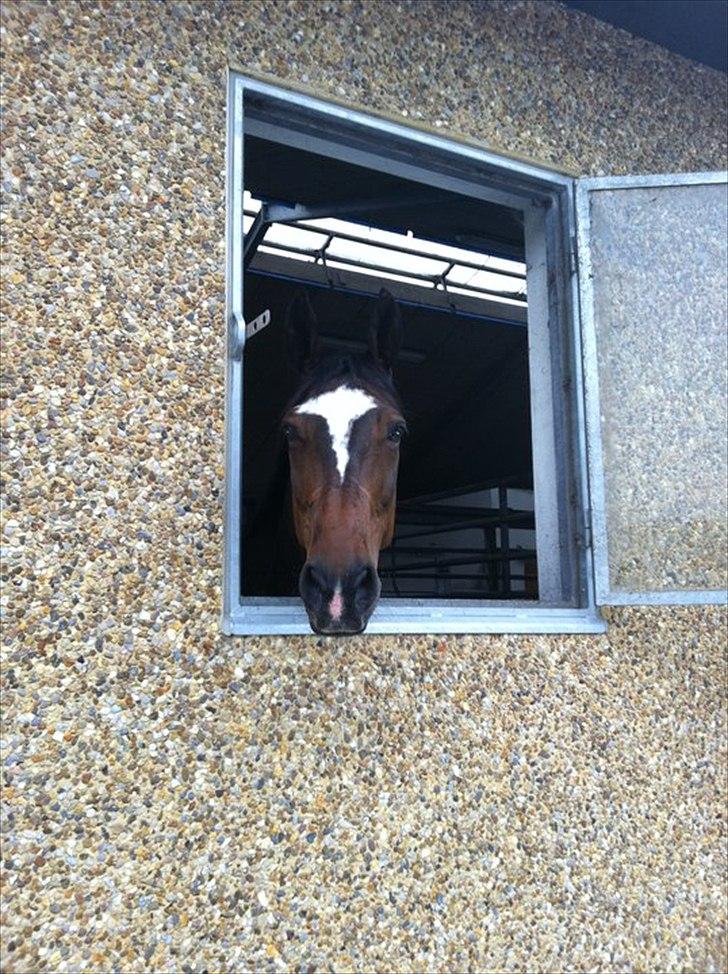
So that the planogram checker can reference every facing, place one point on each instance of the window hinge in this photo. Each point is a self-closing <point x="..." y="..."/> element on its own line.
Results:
<point x="585" y="539"/>
<point x="572" y="254"/>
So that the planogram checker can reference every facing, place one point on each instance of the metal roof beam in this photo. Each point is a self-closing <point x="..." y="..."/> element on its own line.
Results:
<point x="291" y="213"/>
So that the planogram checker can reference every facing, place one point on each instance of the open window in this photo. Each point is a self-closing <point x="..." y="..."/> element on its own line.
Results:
<point x="654" y="292"/>
<point x="494" y="522"/>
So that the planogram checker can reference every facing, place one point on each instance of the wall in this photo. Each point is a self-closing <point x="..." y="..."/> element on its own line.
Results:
<point x="177" y="800"/>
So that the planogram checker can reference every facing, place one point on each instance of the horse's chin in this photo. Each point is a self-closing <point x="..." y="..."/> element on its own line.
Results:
<point x="339" y="632"/>
<point x="335" y="630"/>
<point x="331" y="628"/>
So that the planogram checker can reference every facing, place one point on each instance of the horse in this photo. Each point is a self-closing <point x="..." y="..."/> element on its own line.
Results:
<point x="343" y="427"/>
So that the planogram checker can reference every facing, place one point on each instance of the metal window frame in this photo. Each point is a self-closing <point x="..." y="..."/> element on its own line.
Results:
<point x="567" y="603"/>
<point x="605" y="594"/>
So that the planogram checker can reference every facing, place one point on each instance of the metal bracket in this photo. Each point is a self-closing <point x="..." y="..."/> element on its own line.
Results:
<point x="239" y="332"/>
<point x="257" y="324"/>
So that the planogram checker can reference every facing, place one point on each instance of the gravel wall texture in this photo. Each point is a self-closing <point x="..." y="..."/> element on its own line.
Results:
<point x="175" y="800"/>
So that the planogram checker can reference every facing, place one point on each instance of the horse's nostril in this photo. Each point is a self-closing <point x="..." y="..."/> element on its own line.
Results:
<point x="315" y="586"/>
<point x="364" y="577"/>
<point x="316" y="577"/>
<point x="366" y="587"/>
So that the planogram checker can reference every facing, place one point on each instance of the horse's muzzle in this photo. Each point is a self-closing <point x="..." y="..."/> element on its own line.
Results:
<point x="339" y="604"/>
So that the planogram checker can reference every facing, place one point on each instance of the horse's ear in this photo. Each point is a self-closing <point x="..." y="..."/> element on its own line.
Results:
<point x="385" y="333"/>
<point x="302" y="333"/>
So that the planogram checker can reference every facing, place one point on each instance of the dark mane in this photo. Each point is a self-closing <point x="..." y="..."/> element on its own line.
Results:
<point x="359" y="370"/>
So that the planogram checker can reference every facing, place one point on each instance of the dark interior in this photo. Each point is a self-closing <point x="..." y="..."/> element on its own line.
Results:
<point x="279" y="173"/>
<point x="463" y="379"/>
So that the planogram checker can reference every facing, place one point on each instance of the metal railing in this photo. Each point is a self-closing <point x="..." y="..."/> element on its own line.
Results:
<point x="440" y="281"/>
<point x="489" y="568"/>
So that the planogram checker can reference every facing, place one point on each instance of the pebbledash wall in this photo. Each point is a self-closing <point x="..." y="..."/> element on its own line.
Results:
<point x="177" y="800"/>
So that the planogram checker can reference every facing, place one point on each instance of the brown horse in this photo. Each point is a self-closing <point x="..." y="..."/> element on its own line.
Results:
<point x="343" y="426"/>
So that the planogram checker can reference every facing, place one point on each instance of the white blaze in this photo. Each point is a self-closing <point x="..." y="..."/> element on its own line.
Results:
<point x="340" y="409"/>
<point x="336" y="605"/>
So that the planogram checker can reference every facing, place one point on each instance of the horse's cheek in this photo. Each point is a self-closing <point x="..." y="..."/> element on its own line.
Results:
<point x="388" y="526"/>
<point x="301" y="513"/>
<point x="301" y="530"/>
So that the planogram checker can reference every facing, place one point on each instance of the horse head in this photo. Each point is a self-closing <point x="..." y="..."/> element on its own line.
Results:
<point x="343" y="427"/>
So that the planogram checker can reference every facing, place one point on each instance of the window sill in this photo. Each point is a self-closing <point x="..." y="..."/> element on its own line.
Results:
<point x="279" y="617"/>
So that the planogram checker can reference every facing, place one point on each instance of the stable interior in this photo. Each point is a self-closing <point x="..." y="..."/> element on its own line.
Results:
<point x="465" y="514"/>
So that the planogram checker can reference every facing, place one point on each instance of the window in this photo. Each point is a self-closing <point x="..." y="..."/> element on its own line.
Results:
<point x="494" y="522"/>
<point x="655" y="253"/>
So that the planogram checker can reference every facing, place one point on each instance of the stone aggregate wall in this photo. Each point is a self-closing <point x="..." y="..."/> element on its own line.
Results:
<point x="177" y="800"/>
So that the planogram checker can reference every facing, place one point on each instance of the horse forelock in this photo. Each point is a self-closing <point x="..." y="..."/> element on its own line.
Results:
<point x="355" y="371"/>
<point x="340" y="391"/>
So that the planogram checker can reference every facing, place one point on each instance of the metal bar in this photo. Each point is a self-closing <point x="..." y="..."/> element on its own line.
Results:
<point x="481" y="559"/>
<point x="505" y="542"/>
<point x="423" y="513"/>
<point x="409" y="251"/>
<point x="433" y="279"/>
<point x="457" y="576"/>
<point x="491" y="547"/>
<point x="321" y="256"/>
<point x="254" y="236"/>
<point x="415" y="252"/>
<point x="495" y="519"/>
<point x="562" y="268"/>
<point x="543" y="316"/>
<point x="293" y="213"/>
<point x="585" y="586"/>
<point x="429" y="550"/>
<point x="592" y="397"/>
<point x="425" y="615"/>
<point x="307" y="252"/>
<point x="474" y="289"/>
<point x="231" y="582"/>
<point x="515" y="596"/>
<point x="412" y="275"/>
<point x="443" y="277"/>
<point x="512" y="480"/>
<point x="673" y="597"/>
<point x="413" y="295"/>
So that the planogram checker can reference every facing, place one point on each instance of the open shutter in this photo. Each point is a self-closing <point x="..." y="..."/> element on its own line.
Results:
<point x="653" y="278"/>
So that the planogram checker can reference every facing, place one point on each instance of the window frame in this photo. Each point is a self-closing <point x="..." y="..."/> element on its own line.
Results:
<point x="545" y="197"/>
<point x="606" y="594"/>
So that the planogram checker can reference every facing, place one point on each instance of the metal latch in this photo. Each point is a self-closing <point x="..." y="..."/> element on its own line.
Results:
<point x="257" y="324"/>
<point x="240" y="332"/>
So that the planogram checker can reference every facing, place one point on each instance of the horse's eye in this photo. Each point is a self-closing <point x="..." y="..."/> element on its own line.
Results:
<point x="396" y="432"/>
<point x="288" y="431"/>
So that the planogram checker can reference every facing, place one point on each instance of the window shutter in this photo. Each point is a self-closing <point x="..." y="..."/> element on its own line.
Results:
<point x="653" y="279"/>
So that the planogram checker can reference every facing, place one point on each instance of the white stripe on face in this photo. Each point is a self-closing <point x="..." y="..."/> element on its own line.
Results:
<point x="336" y="605"/>
<point x="340" y="409"/>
